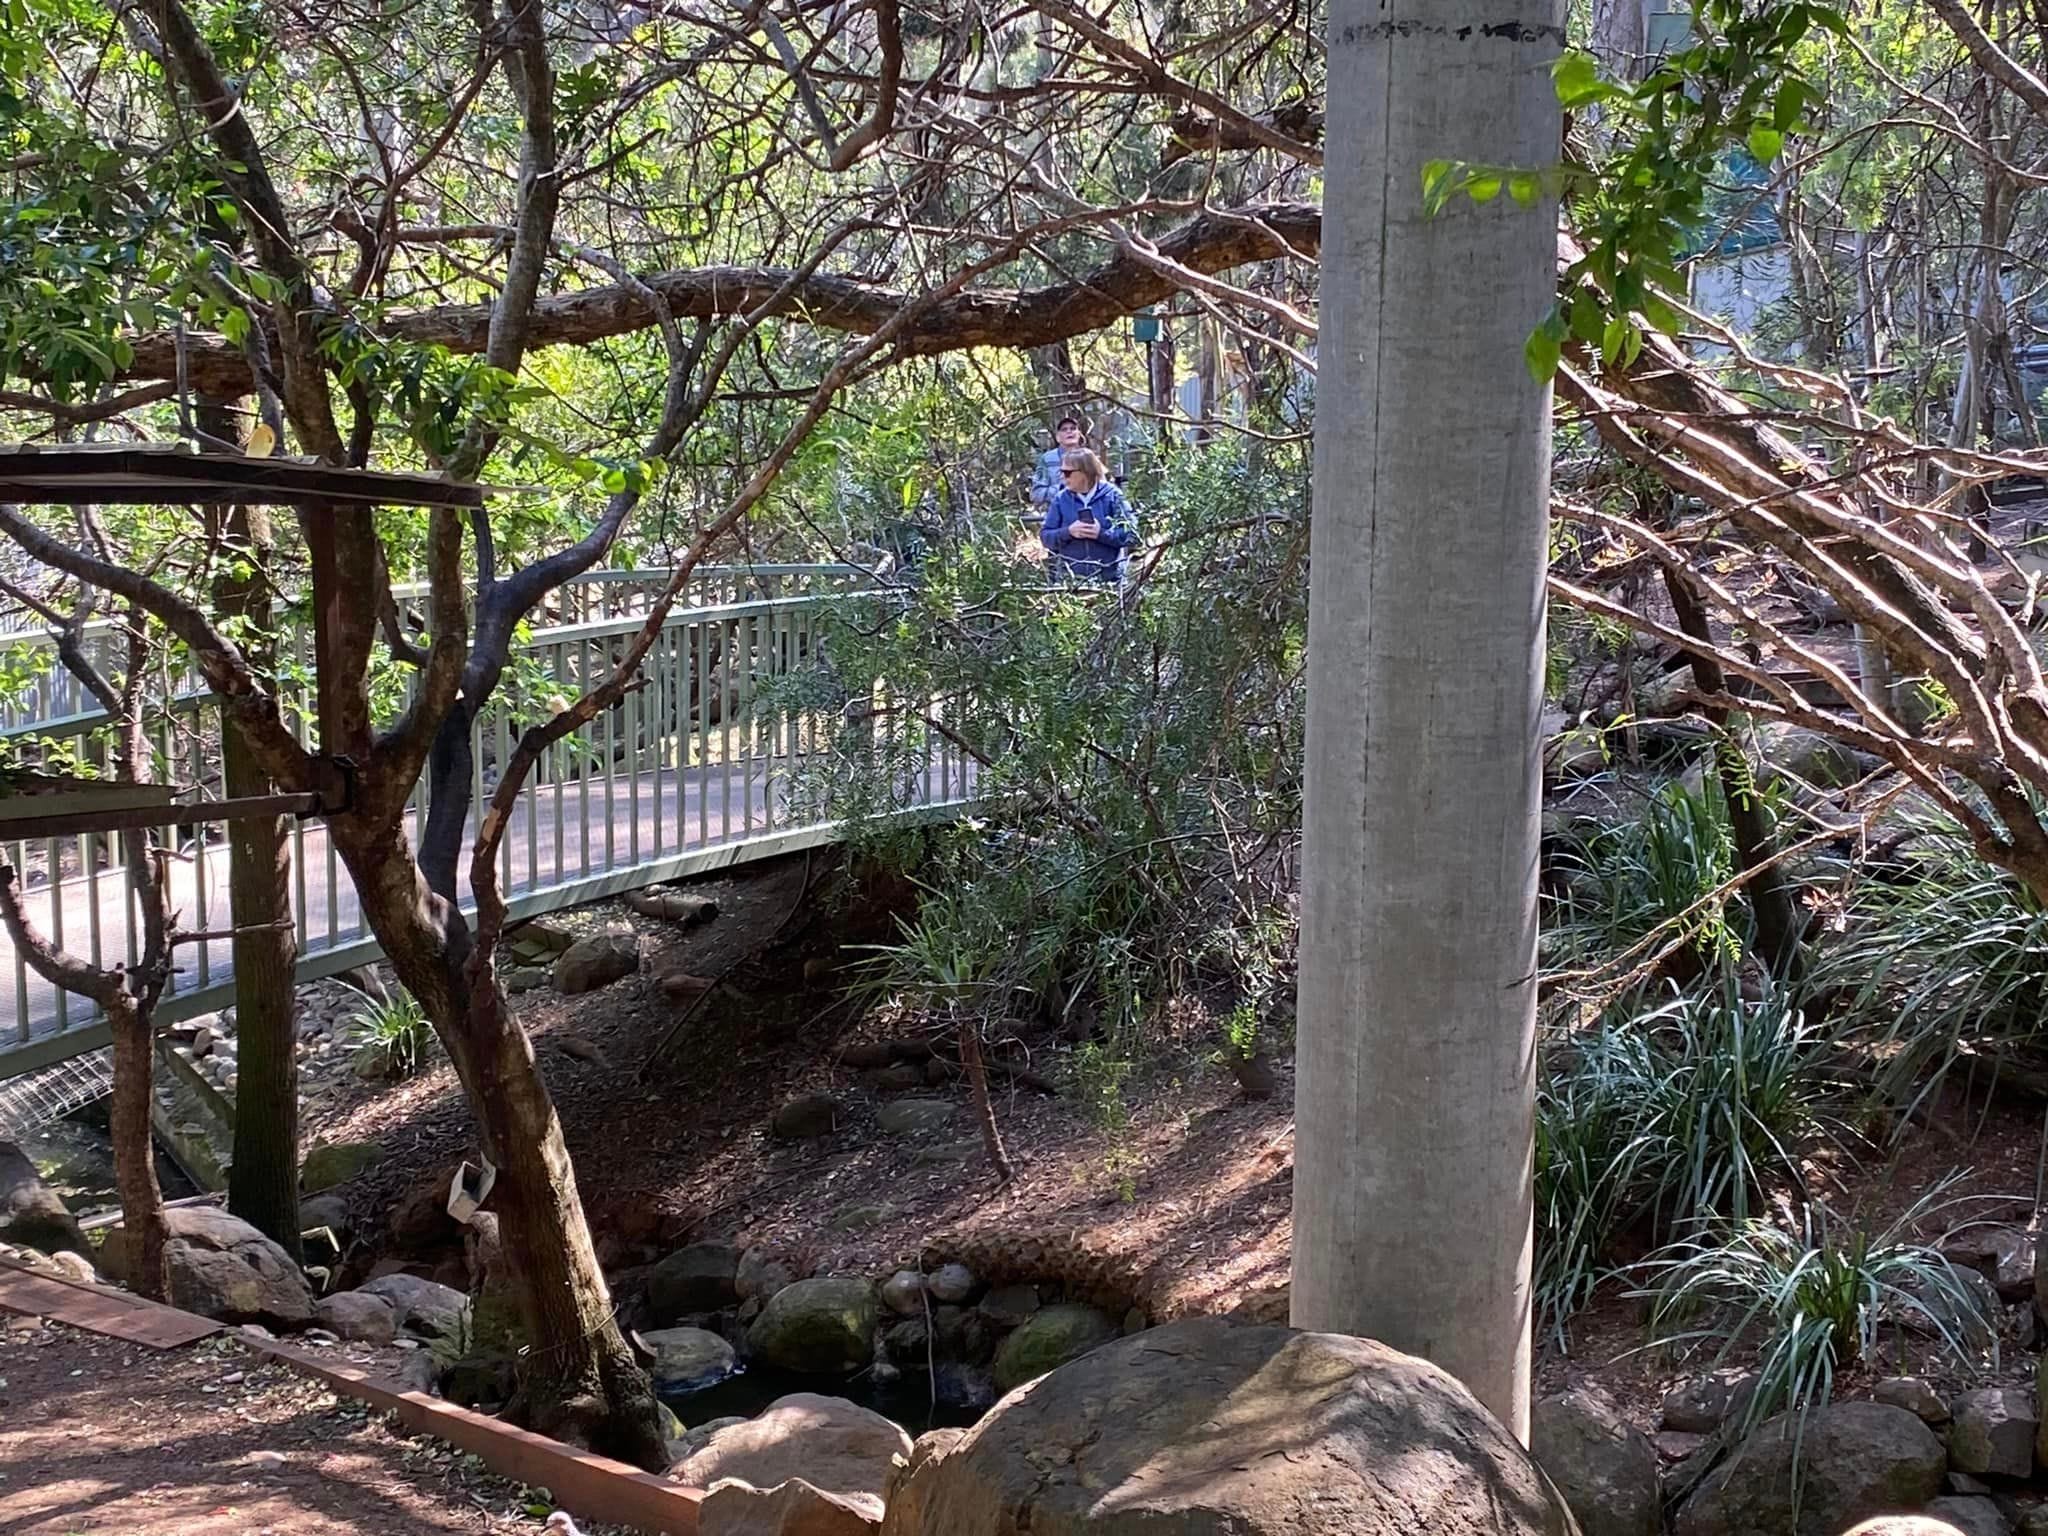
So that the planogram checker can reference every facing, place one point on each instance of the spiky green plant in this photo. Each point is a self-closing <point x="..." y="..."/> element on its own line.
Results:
<point x="1593" y="1146"/>
<point x="1657" y="874"/>
<point x="1810" y="1298"/>
<point x="1678" y="1119"/>
<point x="393" y="1032"/>
<point x="1743" y="1085"/>
<point x="1946" y="962"/>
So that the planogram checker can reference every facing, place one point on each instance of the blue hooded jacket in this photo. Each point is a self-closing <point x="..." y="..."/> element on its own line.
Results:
<point x="1094" y="558"/>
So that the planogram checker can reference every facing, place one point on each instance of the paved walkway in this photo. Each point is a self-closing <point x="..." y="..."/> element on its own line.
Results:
<point x="565" y="838"/>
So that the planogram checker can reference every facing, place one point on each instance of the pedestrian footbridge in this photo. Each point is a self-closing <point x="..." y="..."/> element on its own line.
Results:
<point x="715" y="761"/>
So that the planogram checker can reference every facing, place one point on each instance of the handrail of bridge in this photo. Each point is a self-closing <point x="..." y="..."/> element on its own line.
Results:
<point x="27" y="628"/>
<point x="579" y="593"/>
<point x="56" y="695"/>
<point x="85" y="722"/>
<point x="700" y="767"/>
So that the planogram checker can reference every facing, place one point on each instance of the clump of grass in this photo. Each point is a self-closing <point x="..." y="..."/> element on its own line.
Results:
<point x="393" y="1035"/>
<point x="1676" y="1119"/>
<point x="1592" y="1144"/>
<point x="1623" y="882"/>
<point x="1812" y="1298"/>
<point x="1947" y="961"/>
<point x="1745" y="1084"/>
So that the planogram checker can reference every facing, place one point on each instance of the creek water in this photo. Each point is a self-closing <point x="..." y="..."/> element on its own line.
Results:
<point x="75" y="1157"/>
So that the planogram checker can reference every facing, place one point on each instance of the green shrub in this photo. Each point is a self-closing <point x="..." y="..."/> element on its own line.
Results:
<point x="1655" y="875"/>
<point x="393" y="1034"/>
<point x="1679" y="1118"/>
<point x="1947" y="959"/>
<point x="1811" y="1301"/>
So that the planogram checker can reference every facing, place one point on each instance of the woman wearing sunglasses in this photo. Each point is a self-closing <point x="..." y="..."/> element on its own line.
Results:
<point x="1088" y="524"/>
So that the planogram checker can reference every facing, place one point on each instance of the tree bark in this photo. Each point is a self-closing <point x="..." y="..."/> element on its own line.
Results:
<point x="128" y="998"/>
<point x="1036" y="317"/>
<point x="1779" y="926"/>
<point x="579" y="1381"/>
<point x="263" y="1185"/>
<point x="128" y="1125"/>
<point x="1413" y="1200"/>
<point x="263" y="1182"/>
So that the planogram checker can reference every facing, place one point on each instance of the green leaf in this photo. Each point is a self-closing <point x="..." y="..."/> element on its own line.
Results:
<point x="1484" y="187"/>
<point x="1765" y="143"/>
<point x="1436" y="185"/>
<point x="1613" y="338"/>
<point x="1576" y="77"/>
<point x="1542" y="353"/>
<point x="1588" y="319"/>
<point x="1791" y="101"/>
<point x="1524" y="187"/>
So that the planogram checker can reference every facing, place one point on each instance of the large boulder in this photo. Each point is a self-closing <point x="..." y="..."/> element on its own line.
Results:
<point x="761" y="1273"/>
<point x="1047" y="1340"/>
<point x="903" y="1293"/>
<point x="1993" y="1433"/>
<point x="597" y="961"/>
<point x="794" y="1508"/>
<point x="686" y="1359"/>
<point x="692" y="1281"/>
<point x="1207" y="1427"/>
<point x="31" y="1215"/>
<point x="1820" y="760"/>
<point x="824" y="1326"/>
<point x="1972" y="1515"/>
<point x="836" y="1447"/>
<point x="419" y="1225"/>
<point x="1915" y="1395"/>
<point x="425" y="1308"/>
<point x="807" y="1117"/>
<point x="1854" y="1460"/>
<point x="221" y="1267"/>
<point x="1604" y="1466"/>
<point x="358" y="1316"/>
<point x="1702" y="1404"/>
<point x="907" y="1483"/>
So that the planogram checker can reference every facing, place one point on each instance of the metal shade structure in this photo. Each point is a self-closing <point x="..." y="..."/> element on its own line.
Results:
<point x="159" y="474"/>
<point x="168" y="474"/>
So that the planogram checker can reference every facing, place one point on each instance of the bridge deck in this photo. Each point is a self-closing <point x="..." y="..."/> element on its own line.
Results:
<point x="569" y="842"/>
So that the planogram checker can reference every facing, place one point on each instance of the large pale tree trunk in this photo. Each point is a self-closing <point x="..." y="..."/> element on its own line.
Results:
<point x="1415" y="1095"/>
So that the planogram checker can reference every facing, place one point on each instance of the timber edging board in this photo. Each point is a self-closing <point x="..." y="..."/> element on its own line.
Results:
<point x="591" y="1487"/>
<point x="98" y="1309"/>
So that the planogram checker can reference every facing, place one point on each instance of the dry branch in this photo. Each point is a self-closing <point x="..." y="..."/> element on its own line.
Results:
<point x="1212" y="242"/>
